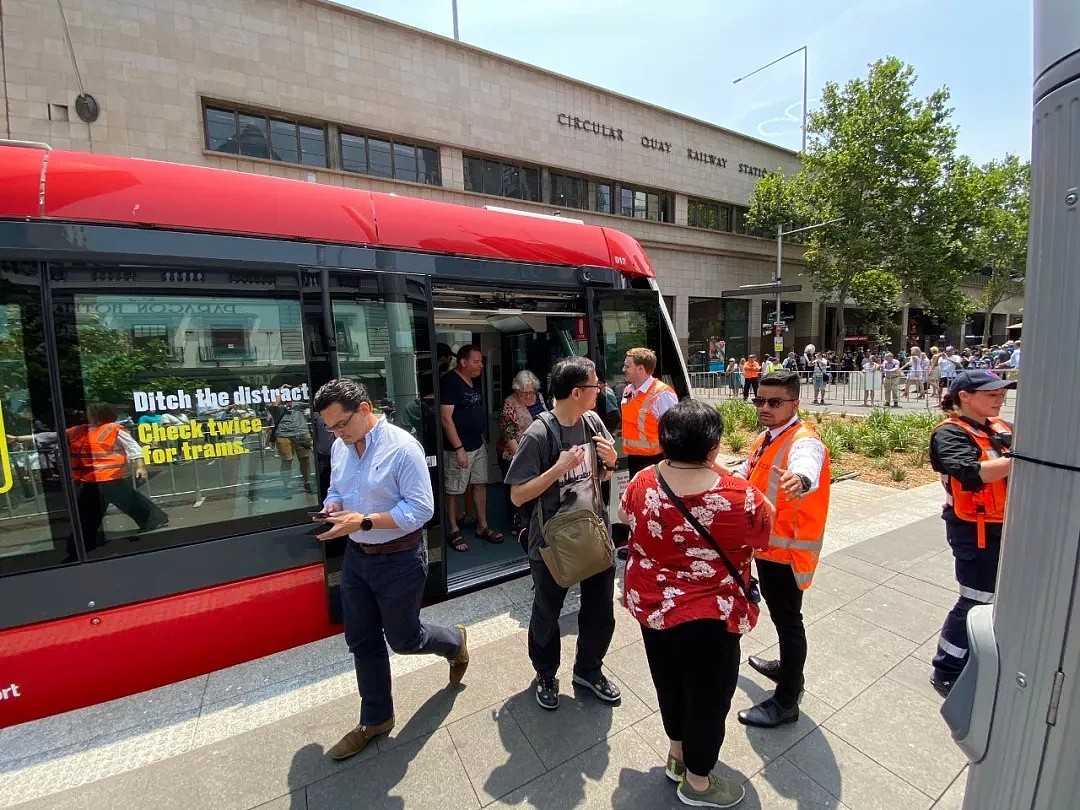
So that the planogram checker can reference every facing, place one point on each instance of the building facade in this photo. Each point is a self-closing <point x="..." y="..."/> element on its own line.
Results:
<point x="315" y="91"/>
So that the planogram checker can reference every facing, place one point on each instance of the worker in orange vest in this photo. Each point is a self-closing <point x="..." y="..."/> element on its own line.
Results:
<point x="751" y="371"/>
<point x="790" y="464"/>
<point x="100" y="451"/>
<point x="968" y="450"/>
<point x="645" y="399"/>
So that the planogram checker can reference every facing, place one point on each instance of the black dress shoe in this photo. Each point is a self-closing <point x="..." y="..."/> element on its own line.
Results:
<point x="770" y="669"/>
<point x="768" y="714"/>
<point x="622" y="552"/>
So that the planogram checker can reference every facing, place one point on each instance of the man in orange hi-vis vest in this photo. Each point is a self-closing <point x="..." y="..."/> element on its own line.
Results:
<point x="645" y="399"/>
<point x="790" y="464"/>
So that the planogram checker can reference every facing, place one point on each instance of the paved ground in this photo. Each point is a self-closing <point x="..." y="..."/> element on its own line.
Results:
<point x="256" y="735"/>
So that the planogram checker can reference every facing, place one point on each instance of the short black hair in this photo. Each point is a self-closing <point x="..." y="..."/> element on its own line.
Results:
<point x="443" y="350"/>
<point x="346" y="393"/>
<point x="568" y="374"/>
<point x="690" y="431"/>
<point x="788" y="380"/>
<point x="465" y="352"/>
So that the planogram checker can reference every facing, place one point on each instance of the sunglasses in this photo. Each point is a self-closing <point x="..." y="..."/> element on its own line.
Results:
<point x="772" y="402"/>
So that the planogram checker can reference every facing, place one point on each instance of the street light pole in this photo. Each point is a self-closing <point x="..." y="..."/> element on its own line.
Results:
<point x="454" y="4"/>
<point x="804" y="75"/>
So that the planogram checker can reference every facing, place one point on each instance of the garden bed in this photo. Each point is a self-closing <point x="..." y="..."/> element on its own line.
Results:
<point x="883" y="447"/>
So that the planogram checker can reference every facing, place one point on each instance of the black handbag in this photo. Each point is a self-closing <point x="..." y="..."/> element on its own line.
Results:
<point x="752" y="592"/>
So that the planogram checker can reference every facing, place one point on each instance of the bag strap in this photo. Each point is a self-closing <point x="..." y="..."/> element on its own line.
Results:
<point x="555" y="448"/>
<point x="693" y="521"/>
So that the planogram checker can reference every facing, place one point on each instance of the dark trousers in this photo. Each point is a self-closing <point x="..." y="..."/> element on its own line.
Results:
<point x="380" y="594"/>
<point x="94" y="499"/>
<point x="784" y="599"/>
<point x="749" y="384"/>
<point x="596" y="622"/>
<point x="638" y="463"/>
<point x="976" y="574"/>
<point x="695" y="667"/>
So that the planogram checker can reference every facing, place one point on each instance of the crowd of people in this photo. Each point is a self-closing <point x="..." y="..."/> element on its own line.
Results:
<point x="695" y="528"/>
<point x="885" y="376"/>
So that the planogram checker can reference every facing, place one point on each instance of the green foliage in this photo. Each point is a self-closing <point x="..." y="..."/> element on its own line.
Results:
<point x="898" y="474"/>
<point x="736" y="442"/>
<point x="884" y="161"/>
<point x="832" y="437"/>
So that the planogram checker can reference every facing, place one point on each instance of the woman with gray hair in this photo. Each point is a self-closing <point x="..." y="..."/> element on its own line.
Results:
<point x="519" y="410"/>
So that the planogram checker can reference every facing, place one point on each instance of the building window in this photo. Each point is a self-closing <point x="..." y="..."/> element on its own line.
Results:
<point x="262" y="136"/>
<point x="569" y="192"/>
<point x="645" y="204"/>
<point x="604" y="198"/>
<point x="708" y="214"/>
<point x="502" y="179"/>
<point x="740" y="224"/>
<point x="385" y="158"/>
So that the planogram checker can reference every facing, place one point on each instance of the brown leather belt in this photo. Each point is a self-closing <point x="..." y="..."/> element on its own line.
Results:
<point x="410" y="540"/>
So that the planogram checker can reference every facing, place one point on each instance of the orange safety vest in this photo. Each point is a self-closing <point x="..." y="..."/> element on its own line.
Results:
<point x="799" y="527"/>
<point x="640" y="428"/>
<point x="988" y="504"/>
<point x="96" y="454"/>
<point x="750" y="370"/>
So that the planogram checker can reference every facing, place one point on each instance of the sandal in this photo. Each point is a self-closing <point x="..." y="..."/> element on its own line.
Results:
<point x="489" y="534"/>
<point x="456" y="541"/>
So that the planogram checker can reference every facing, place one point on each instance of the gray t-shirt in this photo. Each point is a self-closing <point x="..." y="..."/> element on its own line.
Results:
<point x="575" y="489"/>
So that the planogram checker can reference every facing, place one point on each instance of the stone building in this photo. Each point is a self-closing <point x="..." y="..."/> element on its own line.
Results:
<point x="313" y="90"/>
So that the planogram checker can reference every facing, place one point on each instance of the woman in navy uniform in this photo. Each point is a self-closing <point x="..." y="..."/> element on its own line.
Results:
<point x="969" y="449"/>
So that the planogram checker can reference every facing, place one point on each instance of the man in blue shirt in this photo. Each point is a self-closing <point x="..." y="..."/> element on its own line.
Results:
<point x="380" y="496"/>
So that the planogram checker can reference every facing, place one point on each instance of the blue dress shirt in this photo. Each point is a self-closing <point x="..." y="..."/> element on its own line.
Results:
<point x="392" y="476"/>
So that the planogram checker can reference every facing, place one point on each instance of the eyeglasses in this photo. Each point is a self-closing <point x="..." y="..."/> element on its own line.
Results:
<point x="340" y="426"/>
<point x="772" y="402"/>
<point x="597" y="386"/>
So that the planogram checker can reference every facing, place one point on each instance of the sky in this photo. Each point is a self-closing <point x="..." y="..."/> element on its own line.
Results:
<point x="684" y="54"/>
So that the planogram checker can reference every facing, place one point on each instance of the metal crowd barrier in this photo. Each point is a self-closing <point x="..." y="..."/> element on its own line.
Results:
<point x="843" y="388"/>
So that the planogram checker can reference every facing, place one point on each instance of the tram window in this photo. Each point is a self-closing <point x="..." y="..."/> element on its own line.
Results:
<point x="35" y="531"/>
<point x="187" y="418"/>
<point x="631" y="321"/>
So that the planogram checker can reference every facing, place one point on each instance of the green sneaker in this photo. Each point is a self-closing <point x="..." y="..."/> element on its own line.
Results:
<point x="676" y="769"/>
<point x="721" y="793"/>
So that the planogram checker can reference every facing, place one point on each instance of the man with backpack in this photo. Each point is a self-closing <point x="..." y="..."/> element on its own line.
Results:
<point x="560" y="461"/>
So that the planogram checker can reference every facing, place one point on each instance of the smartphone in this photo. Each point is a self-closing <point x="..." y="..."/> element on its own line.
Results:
<point x="317" y="514"/>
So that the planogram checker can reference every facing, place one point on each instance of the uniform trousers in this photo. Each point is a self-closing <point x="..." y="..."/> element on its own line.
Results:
<point x="976" y="575"/>
<point x="784" y="599"/>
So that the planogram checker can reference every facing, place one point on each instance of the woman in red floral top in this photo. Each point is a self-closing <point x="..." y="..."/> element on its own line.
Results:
<point x="692" y="611"/>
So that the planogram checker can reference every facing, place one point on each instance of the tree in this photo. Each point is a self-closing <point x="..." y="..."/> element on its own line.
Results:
<point x="880" y="159"/>
<point x="999" y="244"/>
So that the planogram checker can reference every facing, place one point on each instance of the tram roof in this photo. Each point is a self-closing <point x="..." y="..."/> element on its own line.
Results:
<point x="41" y="183"/>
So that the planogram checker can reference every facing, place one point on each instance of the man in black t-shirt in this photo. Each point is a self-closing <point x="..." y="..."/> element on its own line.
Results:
<point x="465" y="461"/>
<point x="568" y="482"/>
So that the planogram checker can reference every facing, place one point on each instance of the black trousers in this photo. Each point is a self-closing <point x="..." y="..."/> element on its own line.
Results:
<point x="784" y="599"/>
<point x="976" y="575"/>
<point x="695" y="667"/>
<point x="749" y="384"/>
<point x="596" y="622"/>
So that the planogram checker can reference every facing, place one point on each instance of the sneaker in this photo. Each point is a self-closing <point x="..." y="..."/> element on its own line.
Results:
<point x="599" y="686"/>
<point x="675" y="770"/>
<point x="720" y="793"/>
<point x="357" y="740"/>
<point x="547" y="693"/>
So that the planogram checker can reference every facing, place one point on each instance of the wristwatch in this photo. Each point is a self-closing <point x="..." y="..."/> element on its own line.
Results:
<point x="367" y="524"/>
<point x="805" y="482"/>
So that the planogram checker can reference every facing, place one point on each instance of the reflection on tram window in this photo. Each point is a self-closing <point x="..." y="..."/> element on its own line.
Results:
<point x="384" y="346"/>
<point x="187" y="418"/>
<point x="34" y="527"/>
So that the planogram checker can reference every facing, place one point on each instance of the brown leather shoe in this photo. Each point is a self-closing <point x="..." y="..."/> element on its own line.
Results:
<point x="357" y="740"/>
<point x="461" y="663"/>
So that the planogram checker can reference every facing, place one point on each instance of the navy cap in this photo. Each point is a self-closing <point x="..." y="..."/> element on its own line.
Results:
<point x="979" y="379"/>
<point x="442" y="350"/>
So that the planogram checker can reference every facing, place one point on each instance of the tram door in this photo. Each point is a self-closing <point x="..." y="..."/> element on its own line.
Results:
<point x="382" y="337"/>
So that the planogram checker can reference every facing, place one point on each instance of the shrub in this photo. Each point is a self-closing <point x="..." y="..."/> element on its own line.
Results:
<point x="735" y="442"/>
<point x="833" y="440"/>
<point x="898" y="474"/>
<point x="919" y="457"/>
